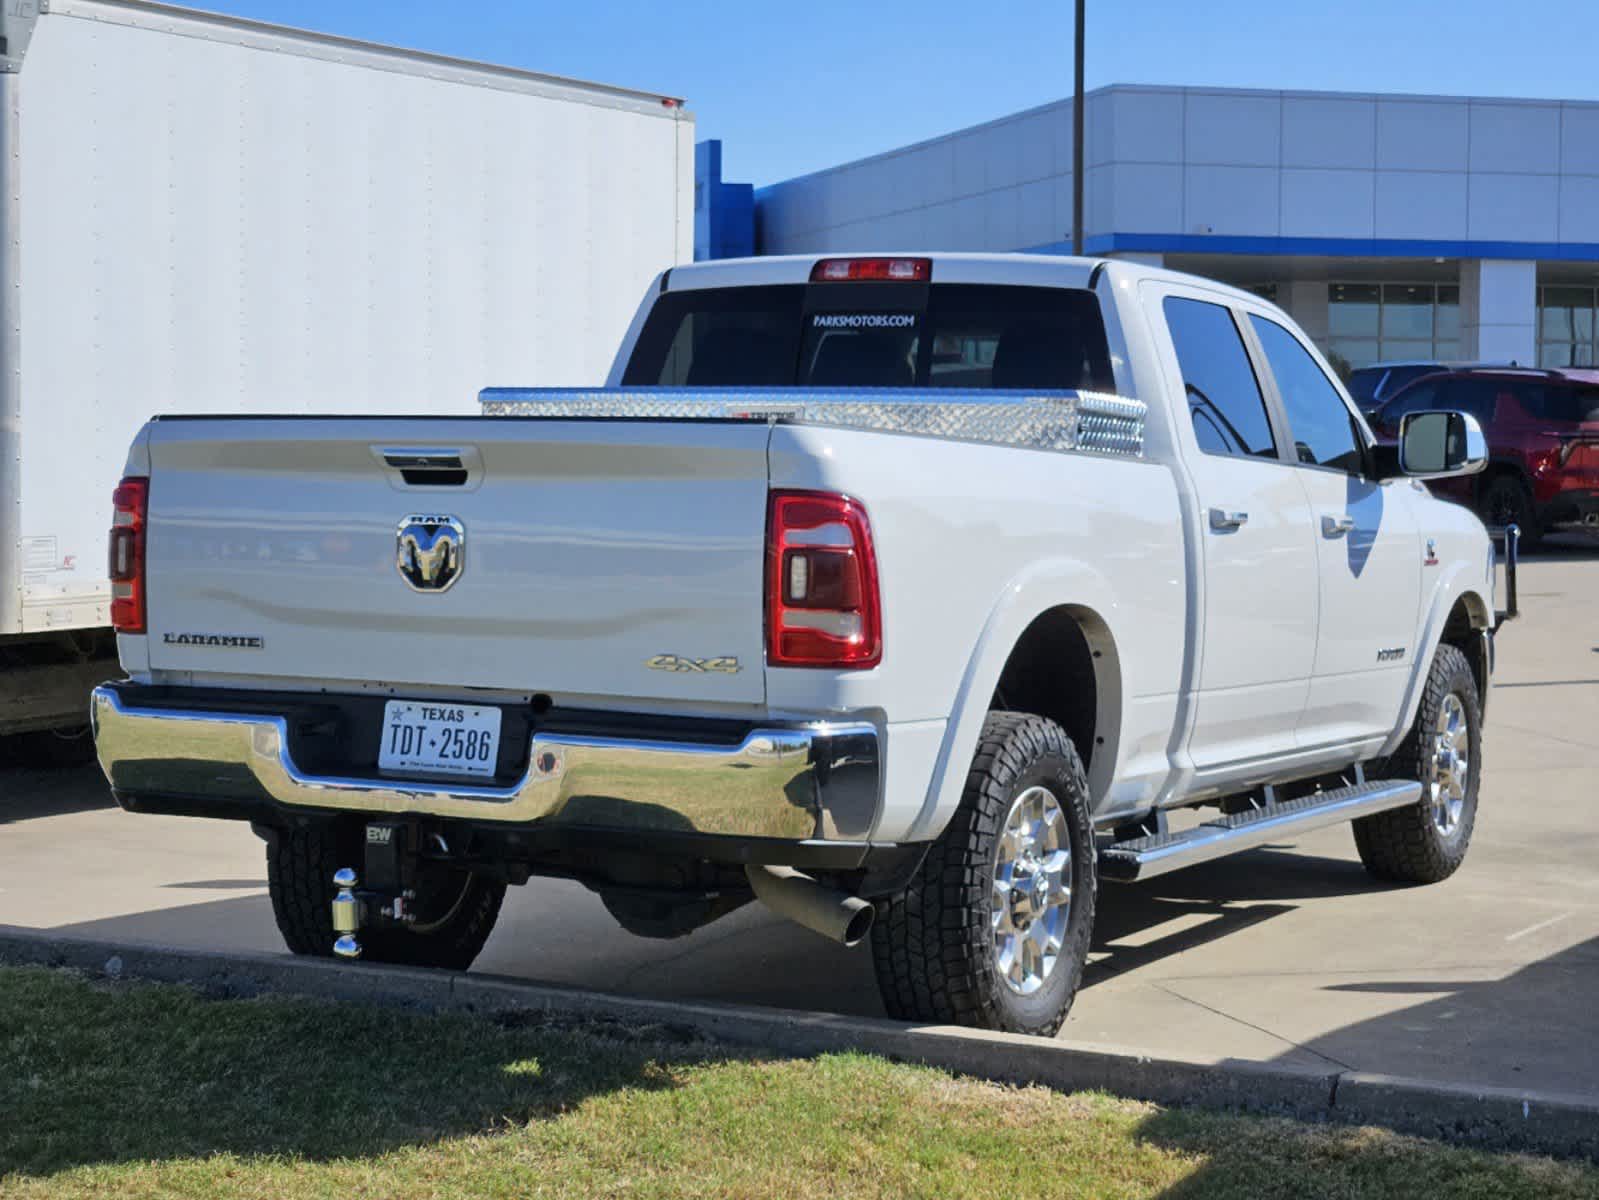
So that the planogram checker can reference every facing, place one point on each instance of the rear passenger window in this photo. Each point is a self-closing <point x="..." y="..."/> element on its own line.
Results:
<point x="1322" y="426"/>
<point x="1478" y="397"/>
<point x="1224" y="399"/>
<point x="1364" y="382"/>
<point x="1398" y="378"/>
<point x="1420" y="398"/>
<point x="1567" y="406"/>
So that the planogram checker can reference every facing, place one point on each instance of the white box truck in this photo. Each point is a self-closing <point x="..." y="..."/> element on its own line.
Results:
<point x="205" y="214"/>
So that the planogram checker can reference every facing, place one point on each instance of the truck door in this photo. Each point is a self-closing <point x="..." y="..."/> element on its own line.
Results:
<point x="1258" y="555"/>
<point x="1368" y="554"/>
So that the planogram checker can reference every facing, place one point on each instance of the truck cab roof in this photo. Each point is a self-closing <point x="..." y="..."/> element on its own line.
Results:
<point x="1022" y="269"/>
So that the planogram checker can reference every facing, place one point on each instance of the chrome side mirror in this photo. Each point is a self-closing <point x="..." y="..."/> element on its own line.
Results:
<point x="1434" y="445"/>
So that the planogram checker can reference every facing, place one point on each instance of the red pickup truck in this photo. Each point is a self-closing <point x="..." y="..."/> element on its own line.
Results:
<point x="1543" y="442"/>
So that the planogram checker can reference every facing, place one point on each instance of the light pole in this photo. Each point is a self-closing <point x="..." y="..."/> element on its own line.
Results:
<point x="1077" y="139"/>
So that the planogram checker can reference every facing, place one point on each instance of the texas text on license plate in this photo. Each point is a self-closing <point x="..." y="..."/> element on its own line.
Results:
<point x="438" y="738"/>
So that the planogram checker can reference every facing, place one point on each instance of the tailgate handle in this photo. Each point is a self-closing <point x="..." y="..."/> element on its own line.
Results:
<point x="427" y="467"/>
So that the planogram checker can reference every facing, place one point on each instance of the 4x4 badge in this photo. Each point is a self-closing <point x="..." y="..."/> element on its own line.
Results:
<point x="724" y="665"/>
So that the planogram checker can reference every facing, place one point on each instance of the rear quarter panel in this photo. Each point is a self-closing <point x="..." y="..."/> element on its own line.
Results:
<point x="973" y="542"/>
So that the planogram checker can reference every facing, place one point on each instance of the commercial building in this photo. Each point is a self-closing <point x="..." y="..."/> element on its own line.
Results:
<point x="1389" y="226"/>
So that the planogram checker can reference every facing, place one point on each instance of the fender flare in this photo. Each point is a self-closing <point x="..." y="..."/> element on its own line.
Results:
<point x="1449" y="592"/>
<point x="1042" y="587"/>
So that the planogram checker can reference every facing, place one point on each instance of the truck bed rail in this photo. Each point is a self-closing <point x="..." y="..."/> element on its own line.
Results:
<point x="1067" y="421"/>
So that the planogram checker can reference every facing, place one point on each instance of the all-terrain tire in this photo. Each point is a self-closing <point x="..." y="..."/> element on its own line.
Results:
<point x="1406" y="845"/>
<point x="458" y="909"/>
<point x="1505" y="500"/>
<point x="933" y="944"/>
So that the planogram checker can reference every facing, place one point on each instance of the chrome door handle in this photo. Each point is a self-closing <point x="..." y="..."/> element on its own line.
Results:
<point x="1222" y="519"/>
<point x="1336" y="526"/>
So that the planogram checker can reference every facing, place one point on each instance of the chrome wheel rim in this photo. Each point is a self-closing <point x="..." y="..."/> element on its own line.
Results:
<point x="1451" y="764"/>
<point x="1032" y="890"/>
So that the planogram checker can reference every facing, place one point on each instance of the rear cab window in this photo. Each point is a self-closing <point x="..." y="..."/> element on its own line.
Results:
<point x="875" y="335"/>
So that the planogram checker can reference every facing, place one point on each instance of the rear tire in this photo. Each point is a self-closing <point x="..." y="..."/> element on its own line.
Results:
<point x="457" y="910"/>
<point x="1504" y="501"/>
<point x="1427" y="841"/>
<point x="939" y="946"/>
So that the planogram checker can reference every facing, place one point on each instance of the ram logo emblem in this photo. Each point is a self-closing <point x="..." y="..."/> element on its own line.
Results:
<point x="430" y="552"/>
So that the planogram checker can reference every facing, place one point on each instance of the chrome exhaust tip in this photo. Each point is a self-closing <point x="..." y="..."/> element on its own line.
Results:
<point x="796" y="896"/>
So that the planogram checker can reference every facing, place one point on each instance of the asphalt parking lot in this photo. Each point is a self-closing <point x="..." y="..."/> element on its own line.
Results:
<point x="1287" y="954"/>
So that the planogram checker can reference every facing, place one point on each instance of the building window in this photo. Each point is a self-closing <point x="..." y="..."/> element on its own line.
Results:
<point x="1393" y="322"/>
<point x="1566" y="327"/>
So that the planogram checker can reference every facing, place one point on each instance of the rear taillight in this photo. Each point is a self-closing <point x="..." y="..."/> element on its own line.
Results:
<point x="822" y="603"/>
<point x="886" y="270"/>
<point x="129" y="504"/>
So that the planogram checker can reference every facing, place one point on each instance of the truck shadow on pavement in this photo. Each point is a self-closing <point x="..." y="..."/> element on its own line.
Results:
<point x="1208" y="903"/>
<point x="1533" y="1028"/>
<point x="28" y="793"/>
<point x="556" y="932"/>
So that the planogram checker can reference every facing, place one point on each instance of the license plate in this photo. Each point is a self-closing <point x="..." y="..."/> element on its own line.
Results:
<point x="439" y="739"/>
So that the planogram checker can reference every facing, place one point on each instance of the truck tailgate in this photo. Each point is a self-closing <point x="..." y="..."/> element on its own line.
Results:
<point x="615" y="559"/>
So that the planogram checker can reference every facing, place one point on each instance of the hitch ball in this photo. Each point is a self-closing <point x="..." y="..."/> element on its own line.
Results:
<point x="346" y="914"/>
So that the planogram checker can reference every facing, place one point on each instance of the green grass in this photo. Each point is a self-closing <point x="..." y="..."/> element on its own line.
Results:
<point x="143" y="1090"/>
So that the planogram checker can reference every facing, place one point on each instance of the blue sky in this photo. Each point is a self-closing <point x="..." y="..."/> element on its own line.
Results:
<point x="792" y="88"/>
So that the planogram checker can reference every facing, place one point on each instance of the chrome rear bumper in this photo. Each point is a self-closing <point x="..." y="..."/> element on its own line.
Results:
<point x="805" y="782"/>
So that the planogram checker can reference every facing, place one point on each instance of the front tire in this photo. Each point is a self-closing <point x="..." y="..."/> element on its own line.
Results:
<point x="993" y="931"/>
<point x="1427" y="841"/>
<point x="456" y="909"/>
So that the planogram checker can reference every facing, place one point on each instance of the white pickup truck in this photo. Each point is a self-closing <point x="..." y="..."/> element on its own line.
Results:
<point x="908" y="595"/>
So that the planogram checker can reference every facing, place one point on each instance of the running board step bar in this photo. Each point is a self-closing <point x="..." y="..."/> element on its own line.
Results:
<point x="1146" y="857"/>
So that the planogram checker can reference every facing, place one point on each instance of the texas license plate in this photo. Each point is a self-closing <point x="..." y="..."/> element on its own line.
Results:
<point x="447" y="739"/>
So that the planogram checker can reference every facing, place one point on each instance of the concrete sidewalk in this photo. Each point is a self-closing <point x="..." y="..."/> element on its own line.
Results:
<point x="1289" y="956"/>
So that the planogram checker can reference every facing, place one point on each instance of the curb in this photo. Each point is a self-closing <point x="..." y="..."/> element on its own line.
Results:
<point x="1500" y="1118"/>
